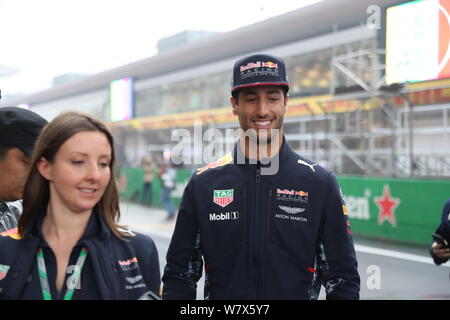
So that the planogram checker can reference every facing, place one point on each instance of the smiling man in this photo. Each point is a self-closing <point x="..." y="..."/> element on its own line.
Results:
<point x="259" y="100"/>
<point x="19" y="129"/>
<point x="262" y="234"/>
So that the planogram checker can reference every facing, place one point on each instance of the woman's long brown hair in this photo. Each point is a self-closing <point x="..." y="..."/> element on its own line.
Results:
<point x="36" y="194"/>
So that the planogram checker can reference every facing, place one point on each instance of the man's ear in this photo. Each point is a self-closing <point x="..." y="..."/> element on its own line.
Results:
<point x="45" y="168"/>
<point x="234" y="105"/>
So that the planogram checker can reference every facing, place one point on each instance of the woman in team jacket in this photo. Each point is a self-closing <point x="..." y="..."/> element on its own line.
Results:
<point x="68" y="244"/>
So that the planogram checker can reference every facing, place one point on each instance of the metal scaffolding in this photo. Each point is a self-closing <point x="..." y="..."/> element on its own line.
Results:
<point x="383" y="139"/>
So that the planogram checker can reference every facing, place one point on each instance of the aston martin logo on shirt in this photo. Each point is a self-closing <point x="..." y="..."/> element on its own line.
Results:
<point x="135" y="279"/>
<point x="291" y="210"/>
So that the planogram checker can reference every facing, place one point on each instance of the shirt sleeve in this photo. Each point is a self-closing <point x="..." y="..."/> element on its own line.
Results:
<point x="184" y="256"/>
<point x="342" y="279"/>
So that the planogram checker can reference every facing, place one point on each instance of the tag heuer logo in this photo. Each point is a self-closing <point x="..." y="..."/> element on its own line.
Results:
<point x="223" y="197"/>
<point x="3" y="271"/>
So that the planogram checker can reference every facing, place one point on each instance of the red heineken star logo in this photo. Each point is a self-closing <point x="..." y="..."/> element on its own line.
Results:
<point x="387" y="205"/>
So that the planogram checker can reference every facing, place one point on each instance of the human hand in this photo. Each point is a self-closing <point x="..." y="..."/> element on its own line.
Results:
<point x="440" y="251"/>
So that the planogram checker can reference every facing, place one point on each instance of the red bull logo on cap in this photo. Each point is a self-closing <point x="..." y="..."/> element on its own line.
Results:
<point x="270" y="64"/>
<point x="258" y="64"/>
<point x="250" y="65"/>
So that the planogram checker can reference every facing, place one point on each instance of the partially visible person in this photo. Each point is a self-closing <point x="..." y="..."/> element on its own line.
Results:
<point x="19" y="129"/>
<point x="167" y="174"/>
<point x="439" y="250"/>
<point x="149" y="167"/>
<point x="68" y="244"/>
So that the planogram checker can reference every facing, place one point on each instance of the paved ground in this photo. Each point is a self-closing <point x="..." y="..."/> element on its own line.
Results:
<point x="387" y="270"/>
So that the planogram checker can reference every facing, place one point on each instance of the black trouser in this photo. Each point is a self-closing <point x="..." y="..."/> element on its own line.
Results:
<point x="147" y="193"/>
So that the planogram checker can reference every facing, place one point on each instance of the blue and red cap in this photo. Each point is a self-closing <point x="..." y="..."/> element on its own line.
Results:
<point x="259" y="70"/>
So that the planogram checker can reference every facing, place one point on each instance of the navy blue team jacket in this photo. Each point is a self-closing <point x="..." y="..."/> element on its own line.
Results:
<point x="114" y="269"/>
<point x="261" y="236"/>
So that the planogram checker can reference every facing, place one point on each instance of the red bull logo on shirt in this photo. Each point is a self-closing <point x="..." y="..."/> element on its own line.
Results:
<point x="128" y="262"/>
<point x="291" y="195"/>
<point x="292" y="192"/>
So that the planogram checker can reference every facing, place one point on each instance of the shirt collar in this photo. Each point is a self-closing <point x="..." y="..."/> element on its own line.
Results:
<point x="282" y="155"/>
<point x="96" y="227"/>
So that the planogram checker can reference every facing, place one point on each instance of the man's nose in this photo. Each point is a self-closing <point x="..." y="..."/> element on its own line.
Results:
<point x="262" y="108"/>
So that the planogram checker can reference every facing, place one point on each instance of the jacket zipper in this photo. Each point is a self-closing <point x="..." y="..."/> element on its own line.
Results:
<point x="247" y="237"/>
<point x="269" y="214"/>
<point x="257" y="231"/>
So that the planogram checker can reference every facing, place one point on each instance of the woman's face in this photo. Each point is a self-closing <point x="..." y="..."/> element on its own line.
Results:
<point x="80" y="171"/>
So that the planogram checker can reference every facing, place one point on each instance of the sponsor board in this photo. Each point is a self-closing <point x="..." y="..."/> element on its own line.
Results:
<point x="359" y="207"/>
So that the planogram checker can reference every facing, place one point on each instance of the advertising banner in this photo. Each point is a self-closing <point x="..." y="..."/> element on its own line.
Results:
<point x="405" y="210"/>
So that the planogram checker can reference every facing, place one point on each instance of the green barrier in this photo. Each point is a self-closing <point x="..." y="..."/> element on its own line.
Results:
<point x="404" y="210"/>
<point x="130" y="182"/>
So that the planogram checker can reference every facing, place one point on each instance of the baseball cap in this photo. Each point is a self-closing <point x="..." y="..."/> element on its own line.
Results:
<point x="20" y="128"/>
<point x="259" y="70"/>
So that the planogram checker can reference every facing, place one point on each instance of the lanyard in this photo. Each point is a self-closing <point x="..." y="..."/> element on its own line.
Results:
<point x="45" y="287"/>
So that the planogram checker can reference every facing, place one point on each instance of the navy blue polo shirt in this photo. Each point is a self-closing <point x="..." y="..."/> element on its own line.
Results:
<point x="87" y="289"/>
